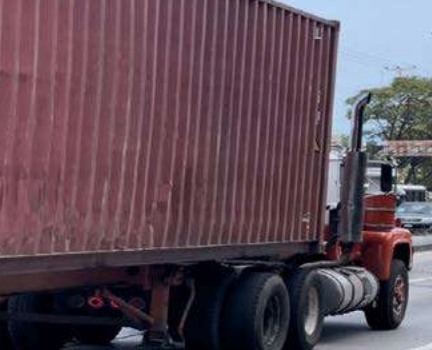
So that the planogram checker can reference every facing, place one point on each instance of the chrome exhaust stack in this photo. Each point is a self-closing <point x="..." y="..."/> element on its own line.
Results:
<point x="350" y="227"/>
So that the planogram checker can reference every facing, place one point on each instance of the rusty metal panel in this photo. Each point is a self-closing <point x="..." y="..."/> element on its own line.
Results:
<point x="131" y="125"/>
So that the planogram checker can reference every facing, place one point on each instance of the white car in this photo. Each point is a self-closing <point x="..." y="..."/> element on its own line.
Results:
<point x="415" y="215"/>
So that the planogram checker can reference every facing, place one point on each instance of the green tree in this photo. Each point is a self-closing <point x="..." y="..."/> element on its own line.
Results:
<point x="401" y="111"/>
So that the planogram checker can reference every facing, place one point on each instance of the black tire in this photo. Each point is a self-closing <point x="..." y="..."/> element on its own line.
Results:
<point x="5" y="340"/>
<point x="257" y="313"/>
<point x="96" y="335"/>
<point x="34" y="336"/>
<point x="307" y="311"/>
<point x="388" y="312"/>
<point x="85" y="334"/>
<point x="202" y="329"/>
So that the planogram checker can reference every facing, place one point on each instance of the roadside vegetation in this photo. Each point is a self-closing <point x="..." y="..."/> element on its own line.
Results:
<point x="401" y="111"/>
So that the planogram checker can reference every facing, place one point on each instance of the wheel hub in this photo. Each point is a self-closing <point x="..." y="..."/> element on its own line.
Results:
<point x="312" y="312"/>
<point x="399" y="295"/>
<point x="272" y="320"/>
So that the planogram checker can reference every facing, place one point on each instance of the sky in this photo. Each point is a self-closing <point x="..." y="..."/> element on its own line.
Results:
<point x="376" y="37"/>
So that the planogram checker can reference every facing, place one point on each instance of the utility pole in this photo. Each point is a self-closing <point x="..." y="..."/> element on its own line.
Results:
<point x="401" y="71"/>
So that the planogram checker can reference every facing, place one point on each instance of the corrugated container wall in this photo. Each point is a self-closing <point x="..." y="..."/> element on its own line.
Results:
<point x="153" y="124"/>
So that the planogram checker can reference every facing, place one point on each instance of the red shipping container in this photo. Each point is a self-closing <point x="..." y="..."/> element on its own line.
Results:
<point x="151" y="131"/>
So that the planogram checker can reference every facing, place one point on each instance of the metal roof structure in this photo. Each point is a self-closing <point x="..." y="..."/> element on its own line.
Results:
<point x="400" y="149"/>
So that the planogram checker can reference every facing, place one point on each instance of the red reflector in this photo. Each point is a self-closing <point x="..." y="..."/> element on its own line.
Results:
<point x="138" y="303"/>
<point x="96" y="302"/>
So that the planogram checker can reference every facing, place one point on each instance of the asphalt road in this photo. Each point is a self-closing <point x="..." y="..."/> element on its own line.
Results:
<point x="351" y="332"/>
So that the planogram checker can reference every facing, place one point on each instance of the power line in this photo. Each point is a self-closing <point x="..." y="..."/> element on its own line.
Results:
<point x="401" y="71"/>
<point x="369" y="59"/>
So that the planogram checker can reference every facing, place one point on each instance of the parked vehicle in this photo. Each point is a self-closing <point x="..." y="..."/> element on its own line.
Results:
<point x="413" y="193"/>
<point x="416" y="215"/>
<point x="164" y="167"/>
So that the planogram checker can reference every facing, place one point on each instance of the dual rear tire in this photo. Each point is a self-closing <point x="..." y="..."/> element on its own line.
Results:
<point x="307" y="310"/>
<point x="30" y="335"/>
<point x="257" y="311"/>
<point x="21" y="335"/>
<point x="202" y="329"/>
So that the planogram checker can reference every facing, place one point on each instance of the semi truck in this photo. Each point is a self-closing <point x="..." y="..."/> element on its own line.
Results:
<point x="164" y="165"/>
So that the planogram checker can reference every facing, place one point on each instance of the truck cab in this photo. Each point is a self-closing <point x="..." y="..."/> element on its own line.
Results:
<point x="364" y="228"/>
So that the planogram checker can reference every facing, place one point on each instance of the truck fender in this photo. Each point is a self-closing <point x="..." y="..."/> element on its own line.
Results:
<point x="381" y="248"/>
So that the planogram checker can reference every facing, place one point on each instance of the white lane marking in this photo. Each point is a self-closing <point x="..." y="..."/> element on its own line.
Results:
<point x="425" y="347"/>
<point x="420" y="280"/>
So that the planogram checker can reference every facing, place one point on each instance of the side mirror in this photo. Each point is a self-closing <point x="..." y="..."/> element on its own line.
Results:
<point x="386" y="178"/>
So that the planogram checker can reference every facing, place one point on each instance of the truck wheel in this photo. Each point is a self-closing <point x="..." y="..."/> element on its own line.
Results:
<point x="257" y="313"/>
<point x="307" y="311"/>
<point x="202" y="328"/>
<point x="96" y="335"/>
<point x="5" y="340"/>
<point x="388" y="312"/>
<point x="30" y="335"/>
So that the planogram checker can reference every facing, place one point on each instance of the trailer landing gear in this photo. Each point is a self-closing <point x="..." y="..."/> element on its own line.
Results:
<point x="158" y="337"/>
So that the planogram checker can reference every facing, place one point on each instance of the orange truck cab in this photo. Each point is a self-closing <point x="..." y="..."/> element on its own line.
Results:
<point x="383" y="238"/>
<point x="363" y="231"/>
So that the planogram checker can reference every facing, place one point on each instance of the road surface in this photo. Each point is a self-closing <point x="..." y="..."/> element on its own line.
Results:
<point x="351" y="332"/>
